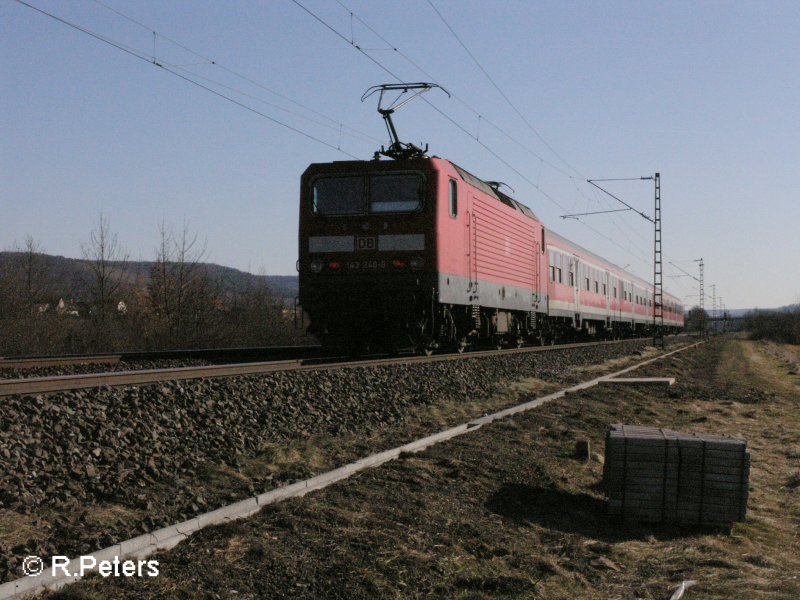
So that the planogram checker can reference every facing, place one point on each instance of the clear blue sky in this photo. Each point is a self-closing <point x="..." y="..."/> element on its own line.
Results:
<point x="707" y="93"/>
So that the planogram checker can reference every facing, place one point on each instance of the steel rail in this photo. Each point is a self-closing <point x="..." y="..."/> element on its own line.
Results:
<point x="62" y="383"/>
<point x="29" y="362"/>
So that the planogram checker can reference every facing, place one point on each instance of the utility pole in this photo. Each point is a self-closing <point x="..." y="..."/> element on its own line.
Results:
<point x="714" y="307"/>
<point x="658" y="273"/>
<point x="658" y="277"/>
<point x="702" y="300"/>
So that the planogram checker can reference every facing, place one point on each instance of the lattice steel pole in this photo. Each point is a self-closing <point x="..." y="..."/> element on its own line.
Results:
<point x="714" y="307"/>
<point x="702" y="300"/>
<point x="658" y="270"/>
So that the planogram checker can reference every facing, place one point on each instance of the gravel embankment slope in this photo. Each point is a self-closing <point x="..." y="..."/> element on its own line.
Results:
<point x="81" y="470"/>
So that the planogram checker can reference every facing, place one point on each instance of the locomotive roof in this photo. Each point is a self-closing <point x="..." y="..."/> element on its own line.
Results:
<point x="493" y="191"/>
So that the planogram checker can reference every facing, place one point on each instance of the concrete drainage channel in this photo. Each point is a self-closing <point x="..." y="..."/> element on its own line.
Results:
<point x="168" y="537"/>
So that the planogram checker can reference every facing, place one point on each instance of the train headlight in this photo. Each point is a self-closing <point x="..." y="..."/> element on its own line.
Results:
<point x="417" y="262"/>
<point x="399" y="263"/>
<point x="316" y="265"/>
<point x="335" y="265"/>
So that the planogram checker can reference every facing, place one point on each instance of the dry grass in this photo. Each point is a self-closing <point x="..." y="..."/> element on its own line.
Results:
<point x="18" y="529"/>
<point x="105" y="516"/>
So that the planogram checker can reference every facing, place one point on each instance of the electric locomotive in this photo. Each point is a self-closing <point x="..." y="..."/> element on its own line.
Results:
<point x="418" y="252"/>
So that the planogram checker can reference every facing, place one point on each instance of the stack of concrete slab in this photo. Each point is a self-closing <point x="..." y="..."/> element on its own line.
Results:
<point x="658" y="475"/>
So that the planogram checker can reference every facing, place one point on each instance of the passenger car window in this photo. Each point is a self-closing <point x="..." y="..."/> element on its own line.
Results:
<point x="395" y="193"/>
<point x="453" y="198"/>
<point x="338" y="196"/>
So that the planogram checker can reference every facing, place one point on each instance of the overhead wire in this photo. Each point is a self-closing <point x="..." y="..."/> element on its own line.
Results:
<point x="217" y="64"/>
<point x="144" y="57"/>
<point x="357" y="136"/>
<point x="500" y="91"/>
<point x="481" y="117"/>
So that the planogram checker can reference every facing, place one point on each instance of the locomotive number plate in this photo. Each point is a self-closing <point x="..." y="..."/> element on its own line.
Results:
<point x="366" y="265"/>
<point x="367" y="243"/>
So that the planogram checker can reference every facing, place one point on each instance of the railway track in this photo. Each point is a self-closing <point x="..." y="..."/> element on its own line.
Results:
<point x="220" y="355"/>
<point x="60" y="383"/>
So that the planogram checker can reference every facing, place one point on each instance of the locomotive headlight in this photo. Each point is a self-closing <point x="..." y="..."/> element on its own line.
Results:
<point x="417" y="262"/>
<point x="316" y="265"/>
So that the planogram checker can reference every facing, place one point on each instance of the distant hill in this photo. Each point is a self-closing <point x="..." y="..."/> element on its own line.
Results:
<point x="740" y="312"/>
<point x="67" y="277"/>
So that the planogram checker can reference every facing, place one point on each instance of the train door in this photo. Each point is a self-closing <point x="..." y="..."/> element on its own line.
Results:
<point x="536" y="278"/>
<point x="573" y="280"/>
<point x="471" y="245"/>
<point x="541" y="294"/>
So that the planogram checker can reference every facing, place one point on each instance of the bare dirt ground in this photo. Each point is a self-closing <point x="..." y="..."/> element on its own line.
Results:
<point x="509" y="511"/>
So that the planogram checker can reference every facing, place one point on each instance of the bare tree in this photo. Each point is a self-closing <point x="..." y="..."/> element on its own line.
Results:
<point x="256" y="316"/>
<point x="107" y="276"/>
<point x="182" y="295"/>
<point x="24" y="278"/>
<point x="34" y="272"/>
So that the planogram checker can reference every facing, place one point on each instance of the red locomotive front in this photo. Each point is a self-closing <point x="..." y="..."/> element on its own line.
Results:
<point x="367" y="250"/>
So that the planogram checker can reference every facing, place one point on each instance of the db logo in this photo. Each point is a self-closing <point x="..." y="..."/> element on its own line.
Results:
<point x="366" y="243"/>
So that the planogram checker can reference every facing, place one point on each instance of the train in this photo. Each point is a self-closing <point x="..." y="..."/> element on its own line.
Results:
<point x="417" y="252"/>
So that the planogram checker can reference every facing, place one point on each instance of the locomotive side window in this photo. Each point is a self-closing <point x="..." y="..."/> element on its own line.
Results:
<point x="395" y="193"/>
<point x="453" y="198"/>
<point x="338" y="196"/>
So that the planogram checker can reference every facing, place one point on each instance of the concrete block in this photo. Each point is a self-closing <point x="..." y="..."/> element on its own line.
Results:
<point x="160" y="535"/>
<point x="238" y="510"/>
<point x="107" y="553"/>
<point x="281" y="493"/>
<point x="133" y="546"/>
<point x="167" y="543"/>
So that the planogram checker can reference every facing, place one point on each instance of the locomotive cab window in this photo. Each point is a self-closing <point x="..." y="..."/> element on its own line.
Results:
<point x="395" y="193"/>
<point x="453" y="198"/>
<point x="338" y="196"/>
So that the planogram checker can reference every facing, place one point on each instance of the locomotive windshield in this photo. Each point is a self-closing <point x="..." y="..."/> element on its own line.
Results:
<point x="395" y="193"/>
<point x="336" y="196"/>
